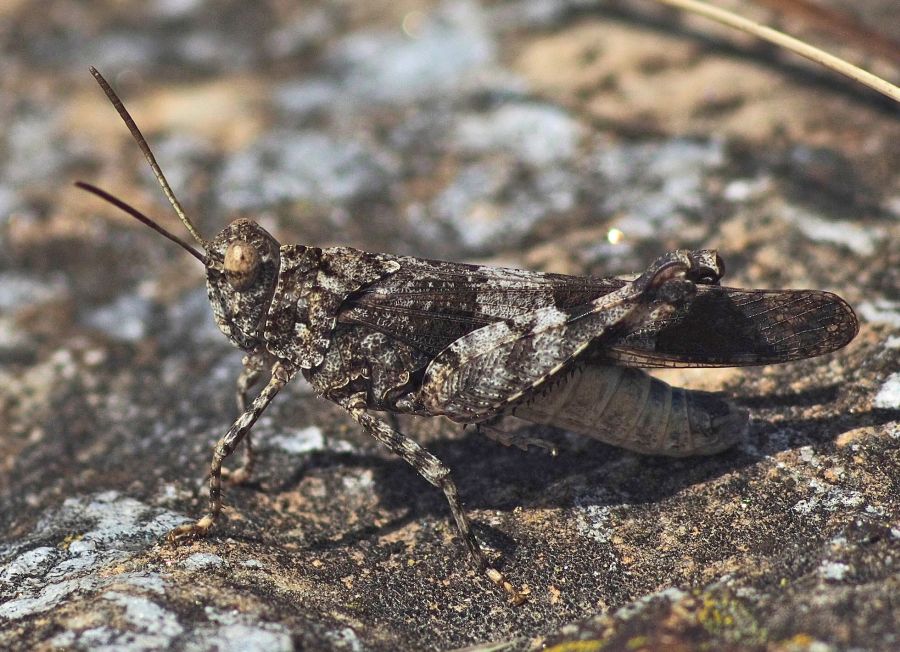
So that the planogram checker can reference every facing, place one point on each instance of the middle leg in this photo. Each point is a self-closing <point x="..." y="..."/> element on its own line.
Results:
<point x="436" y="473"/>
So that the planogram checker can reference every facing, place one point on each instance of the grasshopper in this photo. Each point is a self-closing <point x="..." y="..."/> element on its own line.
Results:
<point x="375" y="333"/>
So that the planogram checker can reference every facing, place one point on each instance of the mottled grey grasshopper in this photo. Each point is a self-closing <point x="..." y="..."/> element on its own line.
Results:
<point x="380" y="333"/>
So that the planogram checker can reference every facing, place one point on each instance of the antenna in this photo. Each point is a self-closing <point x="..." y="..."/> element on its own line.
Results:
<point x="157" y="171"/>
<point x="136" y="214"/>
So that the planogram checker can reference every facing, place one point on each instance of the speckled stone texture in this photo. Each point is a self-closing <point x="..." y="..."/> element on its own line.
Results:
<point x="570" y="136"/>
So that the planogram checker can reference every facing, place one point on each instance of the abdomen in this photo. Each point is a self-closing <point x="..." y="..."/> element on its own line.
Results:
<point x="628" y="408"/>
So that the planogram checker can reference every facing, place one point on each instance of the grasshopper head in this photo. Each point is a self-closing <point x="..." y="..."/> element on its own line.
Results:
<point x="241" y="262"/>
<point x="241" y="273"/>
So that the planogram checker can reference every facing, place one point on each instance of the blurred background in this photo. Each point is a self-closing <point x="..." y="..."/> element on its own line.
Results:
<point x="570" y="136"/>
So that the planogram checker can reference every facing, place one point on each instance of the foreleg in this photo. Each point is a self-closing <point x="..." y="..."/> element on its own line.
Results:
<point x="225" y="446"/>
<point x="254" y="365"/>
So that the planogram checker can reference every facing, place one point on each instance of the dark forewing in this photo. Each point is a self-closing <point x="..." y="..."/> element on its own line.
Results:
<point x="429" y="304"/>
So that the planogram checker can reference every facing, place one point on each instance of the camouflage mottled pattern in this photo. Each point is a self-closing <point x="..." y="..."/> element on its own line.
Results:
<point x="374" y="332"/>
<point x="312" y="285"/>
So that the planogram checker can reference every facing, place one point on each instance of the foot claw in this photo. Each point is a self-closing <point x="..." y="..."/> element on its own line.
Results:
<point x="190" y="530"/>
<point x="516" y="597"/>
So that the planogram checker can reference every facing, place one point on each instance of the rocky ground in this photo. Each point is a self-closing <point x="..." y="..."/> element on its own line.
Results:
<point x="575" y="137"/>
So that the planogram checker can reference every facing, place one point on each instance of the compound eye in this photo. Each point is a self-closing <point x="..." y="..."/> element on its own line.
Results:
<point x="241" y="264"/>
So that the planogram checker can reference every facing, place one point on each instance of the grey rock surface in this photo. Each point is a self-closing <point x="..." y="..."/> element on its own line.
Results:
<point x="561" y="136"/>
